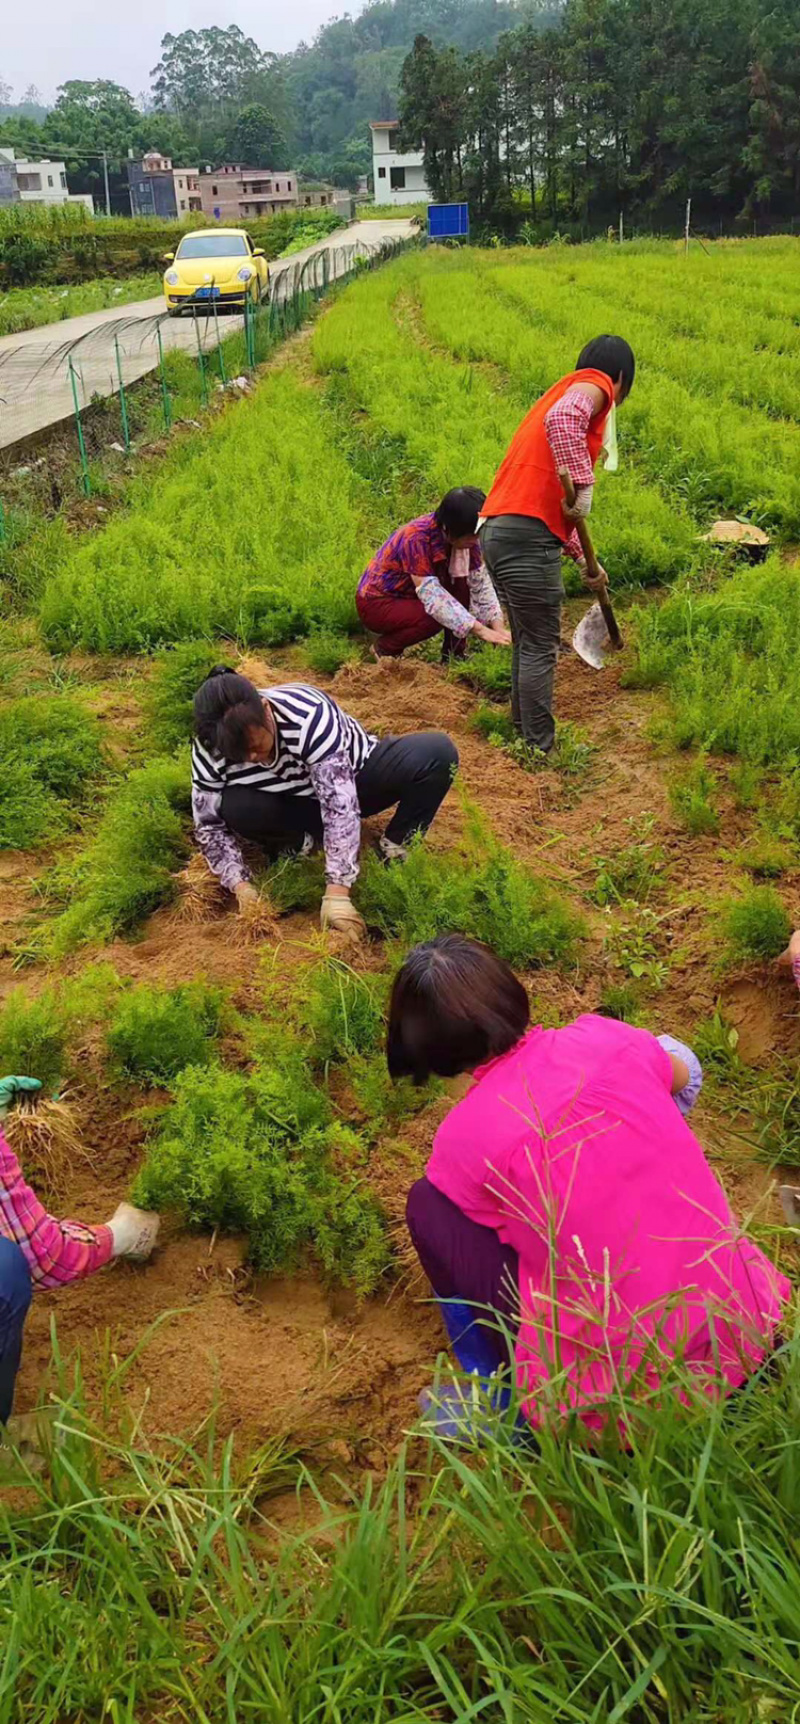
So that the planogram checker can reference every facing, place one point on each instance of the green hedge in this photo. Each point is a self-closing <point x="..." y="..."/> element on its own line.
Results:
<point x="66" y="245"/>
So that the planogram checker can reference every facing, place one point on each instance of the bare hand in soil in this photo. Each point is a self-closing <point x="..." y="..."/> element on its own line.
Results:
<point x="135" y="1231"/>
<point x="498" y="635"/>
<point x="246" y="897"/>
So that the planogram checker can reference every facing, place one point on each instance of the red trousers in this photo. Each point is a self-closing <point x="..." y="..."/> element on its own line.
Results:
<point x="402" y="622"/>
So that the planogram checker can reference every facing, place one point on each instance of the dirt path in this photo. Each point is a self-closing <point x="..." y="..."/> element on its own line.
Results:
<point x="283" y="1356"/>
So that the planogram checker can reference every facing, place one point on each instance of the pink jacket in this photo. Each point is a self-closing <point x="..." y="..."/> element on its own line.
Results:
<point x="572" y="1148"/>
<point x="55" y="1251"/>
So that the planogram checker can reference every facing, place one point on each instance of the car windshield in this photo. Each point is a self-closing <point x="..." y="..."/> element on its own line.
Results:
<point x="213" y="245"/>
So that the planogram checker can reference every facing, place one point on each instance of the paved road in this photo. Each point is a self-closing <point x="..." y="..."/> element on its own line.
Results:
<point x="35" y="387"/>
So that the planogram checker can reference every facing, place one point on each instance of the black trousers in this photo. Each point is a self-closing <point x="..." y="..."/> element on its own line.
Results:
<point x="415" y="772"/>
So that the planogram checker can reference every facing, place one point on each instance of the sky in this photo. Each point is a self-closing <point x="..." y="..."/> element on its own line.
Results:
<point x="95" y="39"/>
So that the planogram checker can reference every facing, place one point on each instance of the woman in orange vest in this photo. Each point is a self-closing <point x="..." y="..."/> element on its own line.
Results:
<point x="527" y="524"/>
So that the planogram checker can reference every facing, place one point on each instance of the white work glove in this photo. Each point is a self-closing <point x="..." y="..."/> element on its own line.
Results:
<point x="685" y="1098"/>
<point x="339" y="914"/>
<point x="582" y="505"/>
<point x="134" y="1231"/>
<point x="596" y="584"/>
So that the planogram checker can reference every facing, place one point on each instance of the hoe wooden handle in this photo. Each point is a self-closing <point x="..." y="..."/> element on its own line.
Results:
<point x="592" y="565"/>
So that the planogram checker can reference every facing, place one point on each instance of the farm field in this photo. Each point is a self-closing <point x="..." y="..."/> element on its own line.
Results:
<point x="31" y="307"/>
<point x="238" y="1524"/>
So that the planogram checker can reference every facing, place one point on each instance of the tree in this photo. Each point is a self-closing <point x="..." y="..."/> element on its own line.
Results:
<point x="88" y="118"/>
<point x="256" y="139"/>
<point x="201" y="71"/>
<point x="434" y="89"/>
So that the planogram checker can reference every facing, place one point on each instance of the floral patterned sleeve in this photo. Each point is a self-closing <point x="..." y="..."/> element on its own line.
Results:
<point x="483" y="599"/>
<point x="443" y="607"/>
<point x="216" y="841"/>
<point x="335" y="788"/>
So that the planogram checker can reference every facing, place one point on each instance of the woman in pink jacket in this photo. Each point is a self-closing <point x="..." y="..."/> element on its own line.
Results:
<point x="567" y="1203"/>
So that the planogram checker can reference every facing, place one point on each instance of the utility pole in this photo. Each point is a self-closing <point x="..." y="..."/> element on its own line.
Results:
<point x="105" y="182"/>
<point x="688" y="222"/>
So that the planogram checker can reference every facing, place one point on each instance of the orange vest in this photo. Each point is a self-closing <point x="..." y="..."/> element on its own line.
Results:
<point x="526" y="482"/>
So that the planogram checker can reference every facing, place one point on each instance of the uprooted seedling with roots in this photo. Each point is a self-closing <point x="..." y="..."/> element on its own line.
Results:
<point x="200" y="898"/>
<point x="45" y="1135"/>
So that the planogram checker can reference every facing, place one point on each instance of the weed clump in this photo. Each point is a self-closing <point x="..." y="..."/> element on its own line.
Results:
<point x="156" y="1032"/>
<point x="634" y="871"/>
<point x="691" y="800"/>
<point x="343" y="1012"/>
<point x="50" y="754"/>
<point x="327" y="651"/>
<point x="484" y="893"/>
<point x="33" y="1036"/>
<point x="125" y="871"/>
<point x="755" y="925"/>
<point x="258" y="1153"/>
<point x="487" y="668"/>
<point x="178" y="671"/>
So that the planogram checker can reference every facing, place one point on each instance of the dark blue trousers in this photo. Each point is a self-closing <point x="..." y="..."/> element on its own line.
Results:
<point x="15" y="1297"/>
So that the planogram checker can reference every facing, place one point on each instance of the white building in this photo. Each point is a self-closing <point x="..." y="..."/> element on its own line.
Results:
<point x="39" y="182"/>
<point x="398" y="177"/>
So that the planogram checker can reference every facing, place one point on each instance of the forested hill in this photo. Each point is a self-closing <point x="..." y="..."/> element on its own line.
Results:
<point x="350" y="74"/>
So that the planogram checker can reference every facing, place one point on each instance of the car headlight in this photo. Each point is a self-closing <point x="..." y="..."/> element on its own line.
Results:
<point x="245" y="272"/>
<point x="172" y="277"/>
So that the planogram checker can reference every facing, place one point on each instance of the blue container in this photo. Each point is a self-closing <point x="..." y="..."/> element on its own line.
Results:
<point x="448" y="221"/>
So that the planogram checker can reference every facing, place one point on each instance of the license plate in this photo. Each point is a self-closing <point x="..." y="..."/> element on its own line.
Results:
<point x="207" y="293"/>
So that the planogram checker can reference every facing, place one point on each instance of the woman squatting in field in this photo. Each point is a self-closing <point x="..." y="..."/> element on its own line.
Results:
<point x="287" y="768"/>
<point x="567" y="1200"/>
<point x="527" y="524"/>
<point x="429" y="576"/>
<point x="36" y="1250"/>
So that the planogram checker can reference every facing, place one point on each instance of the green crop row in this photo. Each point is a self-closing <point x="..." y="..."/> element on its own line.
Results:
<point x="260" y="532"/>
<point x="456" y="419"/>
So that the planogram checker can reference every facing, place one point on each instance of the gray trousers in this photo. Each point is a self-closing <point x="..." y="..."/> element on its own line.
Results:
<point x="523" y="558"/>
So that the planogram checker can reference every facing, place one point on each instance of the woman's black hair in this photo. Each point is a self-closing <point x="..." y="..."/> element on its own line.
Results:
<point x="454" y="1005"/>
<point x="609" y="353"/>
<point x="458" y="512"/>
<point x="227" y="707"/>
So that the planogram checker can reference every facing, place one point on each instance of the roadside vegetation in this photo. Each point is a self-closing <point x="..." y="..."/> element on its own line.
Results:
<point x="29" y="307"/>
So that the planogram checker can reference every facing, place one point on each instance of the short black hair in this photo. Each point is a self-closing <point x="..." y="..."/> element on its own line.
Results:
<point x="609" y="353"/>
<point x="226" y="708"/>
<point x="454" y="1005"/>
<point x="458" y="512"/>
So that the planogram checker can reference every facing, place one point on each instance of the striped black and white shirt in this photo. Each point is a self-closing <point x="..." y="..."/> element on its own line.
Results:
<point x="319" y="749"/>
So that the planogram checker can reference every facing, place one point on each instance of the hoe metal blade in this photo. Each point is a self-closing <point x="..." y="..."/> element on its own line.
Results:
<point x="591" y="640"/>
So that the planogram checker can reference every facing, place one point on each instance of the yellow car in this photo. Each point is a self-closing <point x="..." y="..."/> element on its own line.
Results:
<point x="215" y="265"/>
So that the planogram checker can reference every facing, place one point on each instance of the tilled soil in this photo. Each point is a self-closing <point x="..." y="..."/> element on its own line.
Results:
<point x="283" y="1356"/>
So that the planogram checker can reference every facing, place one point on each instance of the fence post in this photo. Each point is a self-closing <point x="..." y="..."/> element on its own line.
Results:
<point x="219" y="346"/>
<point x="87" y="483"/>
<point x="164" y="389"/>
<point x="126" y="435"/>
<point x="201" y="360"/>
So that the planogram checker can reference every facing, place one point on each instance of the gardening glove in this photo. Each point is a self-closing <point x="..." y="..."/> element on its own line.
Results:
<point x="341" y="916"/>
<point x="685" y="1098"/>
<point x="134" y="1231"/>
<point x="582" y="505"/>
<point x="594" y="583"/>
<point x="11" y="1087"/>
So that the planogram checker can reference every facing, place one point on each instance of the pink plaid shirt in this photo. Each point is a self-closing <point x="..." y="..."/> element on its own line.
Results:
<point x="566" y="427"/>
<point x="55" y="1251"/>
